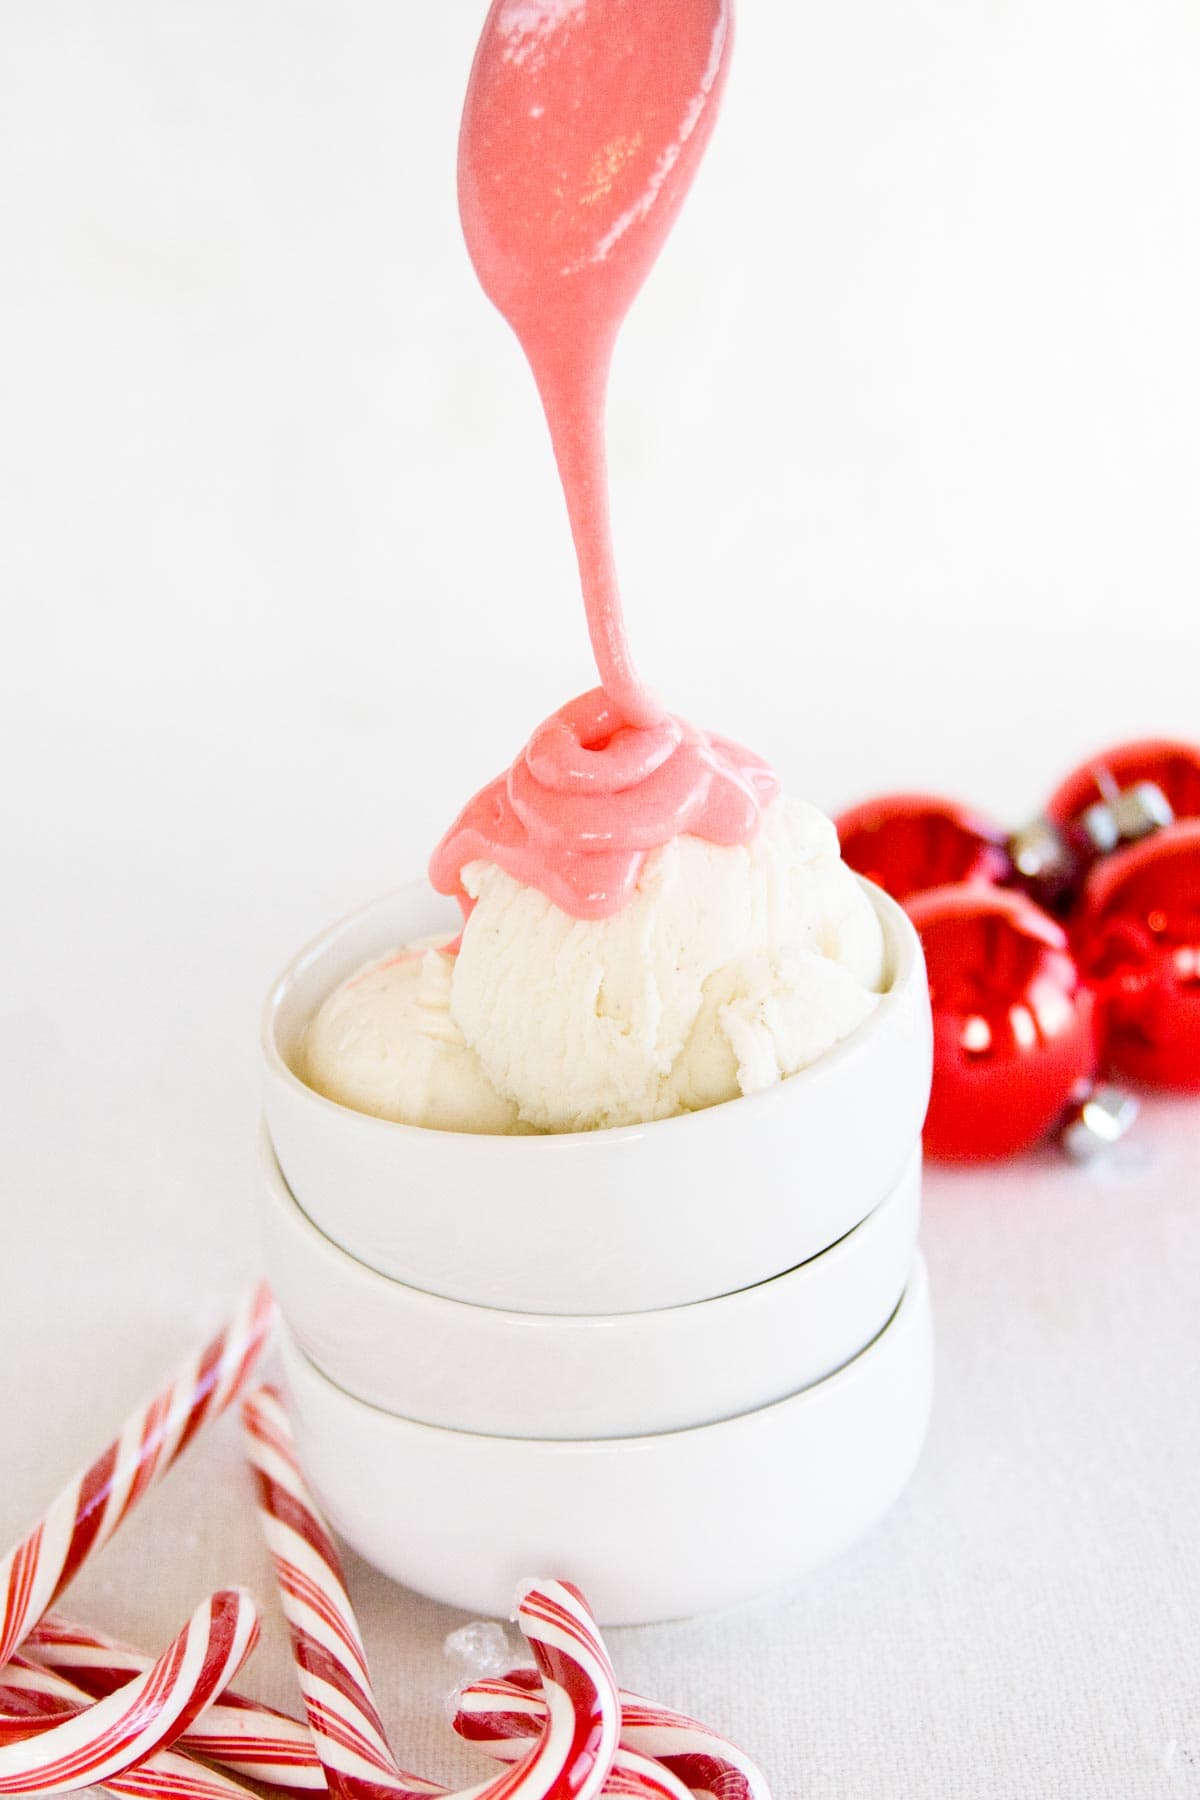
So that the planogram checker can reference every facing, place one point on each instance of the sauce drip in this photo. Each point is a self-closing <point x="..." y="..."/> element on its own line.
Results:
<point x="588" y="797"/>
<point x="583" y="126"/>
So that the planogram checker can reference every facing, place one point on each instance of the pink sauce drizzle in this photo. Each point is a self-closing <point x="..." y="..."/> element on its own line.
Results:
<point x="588" y="797"/>
<point x="584" y="123"/>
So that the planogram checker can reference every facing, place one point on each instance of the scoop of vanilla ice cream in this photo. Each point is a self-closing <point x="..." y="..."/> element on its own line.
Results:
<point x="728" y="970"/>
<point x="384" y="1042"/>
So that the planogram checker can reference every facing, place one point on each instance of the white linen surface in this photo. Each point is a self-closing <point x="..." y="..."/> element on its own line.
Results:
<point x="260" y="479"/>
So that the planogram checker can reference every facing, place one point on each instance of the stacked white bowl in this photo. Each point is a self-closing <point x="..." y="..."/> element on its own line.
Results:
<point x="675" y="1363"/>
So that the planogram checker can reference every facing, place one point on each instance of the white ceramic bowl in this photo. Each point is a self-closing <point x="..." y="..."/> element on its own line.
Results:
<point x="512" y="1374"/>
<point x="627" y="1220"/>
<point x="651" y="1527"/>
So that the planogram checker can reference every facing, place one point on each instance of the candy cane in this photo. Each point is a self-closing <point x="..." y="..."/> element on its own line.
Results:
<point x="250" y="1739"/>
<point x="574" y="1753"/>
<point x="89" y="1509"/>
<point x="637" y="1778"/>
<point x="246" y="1737"/>
<point x="33" y="1697"/>
<point x="704" y="1760"/>
<point x="497" y="1714"/>
<point x="146" y="1714"/>
<point x="502" y="1715"/>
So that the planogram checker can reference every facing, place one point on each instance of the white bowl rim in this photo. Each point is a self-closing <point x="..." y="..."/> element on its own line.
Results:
<point x="271" y="1172"/>
<point x="911" y="1301"/>
<point x="903" y="963"/>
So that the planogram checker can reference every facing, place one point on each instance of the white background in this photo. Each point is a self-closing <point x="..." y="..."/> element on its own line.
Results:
<point x="906" y="474"/>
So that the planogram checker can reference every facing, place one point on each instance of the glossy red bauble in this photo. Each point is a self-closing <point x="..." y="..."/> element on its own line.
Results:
<point x="1013" y="1029"/>
<point x="1137" y="938"/>
<point x="906" y="843"/>
<point x="1174" y="768"/>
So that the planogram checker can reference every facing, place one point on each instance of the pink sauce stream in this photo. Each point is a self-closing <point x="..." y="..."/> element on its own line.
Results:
<point x="584" y="123"/>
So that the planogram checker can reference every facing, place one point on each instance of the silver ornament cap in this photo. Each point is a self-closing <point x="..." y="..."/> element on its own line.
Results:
<point x="1097" y="1121"/>
<point x="1126" y="815"/>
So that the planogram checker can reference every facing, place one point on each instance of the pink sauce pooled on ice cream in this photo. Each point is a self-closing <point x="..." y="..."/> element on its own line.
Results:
<point x="583" y="127"/>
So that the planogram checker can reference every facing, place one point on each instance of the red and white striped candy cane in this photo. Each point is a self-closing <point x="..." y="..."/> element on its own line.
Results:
<point x="248" y="1738"/>
<point x="32" y="1698"/>
<point x="704" y="1761"/>
<point x="573" y="1754"/>
<point x="89" y="1509"/>
<point x="243" y="1736"/>
<point x="502" y="1715"/>
<point x="583" y="1708"/>
<point x="145" y="1715"/>
<point x="637" y="1778"/>
<point x="497" y="1714"/>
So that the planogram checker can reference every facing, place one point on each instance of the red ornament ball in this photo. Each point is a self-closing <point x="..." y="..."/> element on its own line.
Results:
<point x="1138" y="941"/>
<point x="1173" y="767"/>
<point x="1013" y="1028"/>
<point x="906" y="843"/>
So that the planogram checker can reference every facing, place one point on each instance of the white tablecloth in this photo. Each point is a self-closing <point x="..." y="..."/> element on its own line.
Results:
<point x="1023" y="1623"/>
<point x="268" y="464"/>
